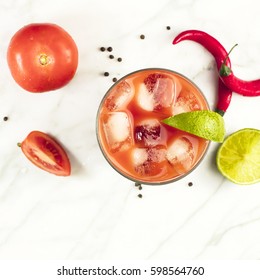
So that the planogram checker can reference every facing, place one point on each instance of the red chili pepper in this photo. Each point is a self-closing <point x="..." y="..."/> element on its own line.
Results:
<point x="208" y="42"/>
<point x="246" y="88"/>
<point x="224" y="98"/>
<point x="220" y="55"/>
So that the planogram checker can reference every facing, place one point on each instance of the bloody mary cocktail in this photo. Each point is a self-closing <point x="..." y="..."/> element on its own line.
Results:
<point x="131" y="135"/>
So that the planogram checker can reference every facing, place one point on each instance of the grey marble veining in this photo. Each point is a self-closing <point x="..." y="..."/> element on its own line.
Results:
<point x="96" y="213"/>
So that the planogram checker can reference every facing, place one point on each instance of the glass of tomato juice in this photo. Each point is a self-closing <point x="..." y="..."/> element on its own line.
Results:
<point x="131" y="135"/>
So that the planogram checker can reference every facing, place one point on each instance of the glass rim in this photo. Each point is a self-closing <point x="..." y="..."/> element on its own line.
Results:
<point x="129" y="177"/>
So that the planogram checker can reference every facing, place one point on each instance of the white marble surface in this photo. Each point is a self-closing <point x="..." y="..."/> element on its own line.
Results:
<point x="95" y="213"/>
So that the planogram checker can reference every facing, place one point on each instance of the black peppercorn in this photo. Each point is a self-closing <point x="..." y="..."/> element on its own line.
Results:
<point x="102" y="49"/>
<point x="119" y="59"/>
<point x="142" y="36"/>
<point x="140" y="195"/>
<point x="109" y="49"/>
<point x="111" y="56"/>
<point x="114" y="79"/>
<point x="168" y="27"/>
<point x="106" y="74"/>
<point x="190" y="184"/>
<point x="5" y="118"/>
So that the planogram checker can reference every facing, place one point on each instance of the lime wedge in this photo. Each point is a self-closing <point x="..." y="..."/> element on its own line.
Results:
<point x="205" y="124"/>
<point x="238" y="158"/>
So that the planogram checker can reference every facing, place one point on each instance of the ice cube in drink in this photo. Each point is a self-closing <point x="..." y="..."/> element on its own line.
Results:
<point x="130" y="132"/>
<point x="182" y="152"/>
<point x="149" y="132"/>
<point x="117" y="129"/>
<point x="119" y="97"/>
<point x="186" y="102"/>
<point x="158" y="92"/>
<point x="149" y="161"/>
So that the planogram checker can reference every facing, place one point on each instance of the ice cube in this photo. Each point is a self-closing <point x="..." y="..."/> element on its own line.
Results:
<point x="117" y="128"/>
<point x="182" y="152"/>
<point x="145" y="99"/>
<point x="186" y="102"/>
<point x="139" y="156"/>
<point x="149" y="161"/>
<point x="164" y="92"/>
<point x="149" y="132"/>
<point x="157" y="154"/>
<point x="120" y="97"/>
<point x="157" y="92"/>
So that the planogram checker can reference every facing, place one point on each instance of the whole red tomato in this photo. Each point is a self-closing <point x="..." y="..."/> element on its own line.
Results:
<point x="42" y="57"/>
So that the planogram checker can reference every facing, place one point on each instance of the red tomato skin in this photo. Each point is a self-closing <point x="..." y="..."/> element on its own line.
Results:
<point x="32" y="44"/>
<point x="38" y="143"/>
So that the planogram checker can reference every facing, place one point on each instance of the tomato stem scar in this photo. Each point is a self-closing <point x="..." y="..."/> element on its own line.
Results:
<point x="43" y="59"/>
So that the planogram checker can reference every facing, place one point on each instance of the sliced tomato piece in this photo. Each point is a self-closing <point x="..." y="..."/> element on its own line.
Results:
<point x="46" y="153"/>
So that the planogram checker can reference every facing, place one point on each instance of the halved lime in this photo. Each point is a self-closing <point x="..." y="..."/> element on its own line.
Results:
<point x="205" y="124"/>
<point x="238" y="158"/>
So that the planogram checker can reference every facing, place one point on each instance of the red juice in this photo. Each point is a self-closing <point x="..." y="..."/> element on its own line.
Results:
<point x="131" y="135"/>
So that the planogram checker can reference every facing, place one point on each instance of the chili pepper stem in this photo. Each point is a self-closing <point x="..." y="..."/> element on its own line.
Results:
<point x="224" y="69"/>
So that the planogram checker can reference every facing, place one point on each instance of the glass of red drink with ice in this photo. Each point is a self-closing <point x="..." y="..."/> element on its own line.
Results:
<point x="131" y="135"/>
